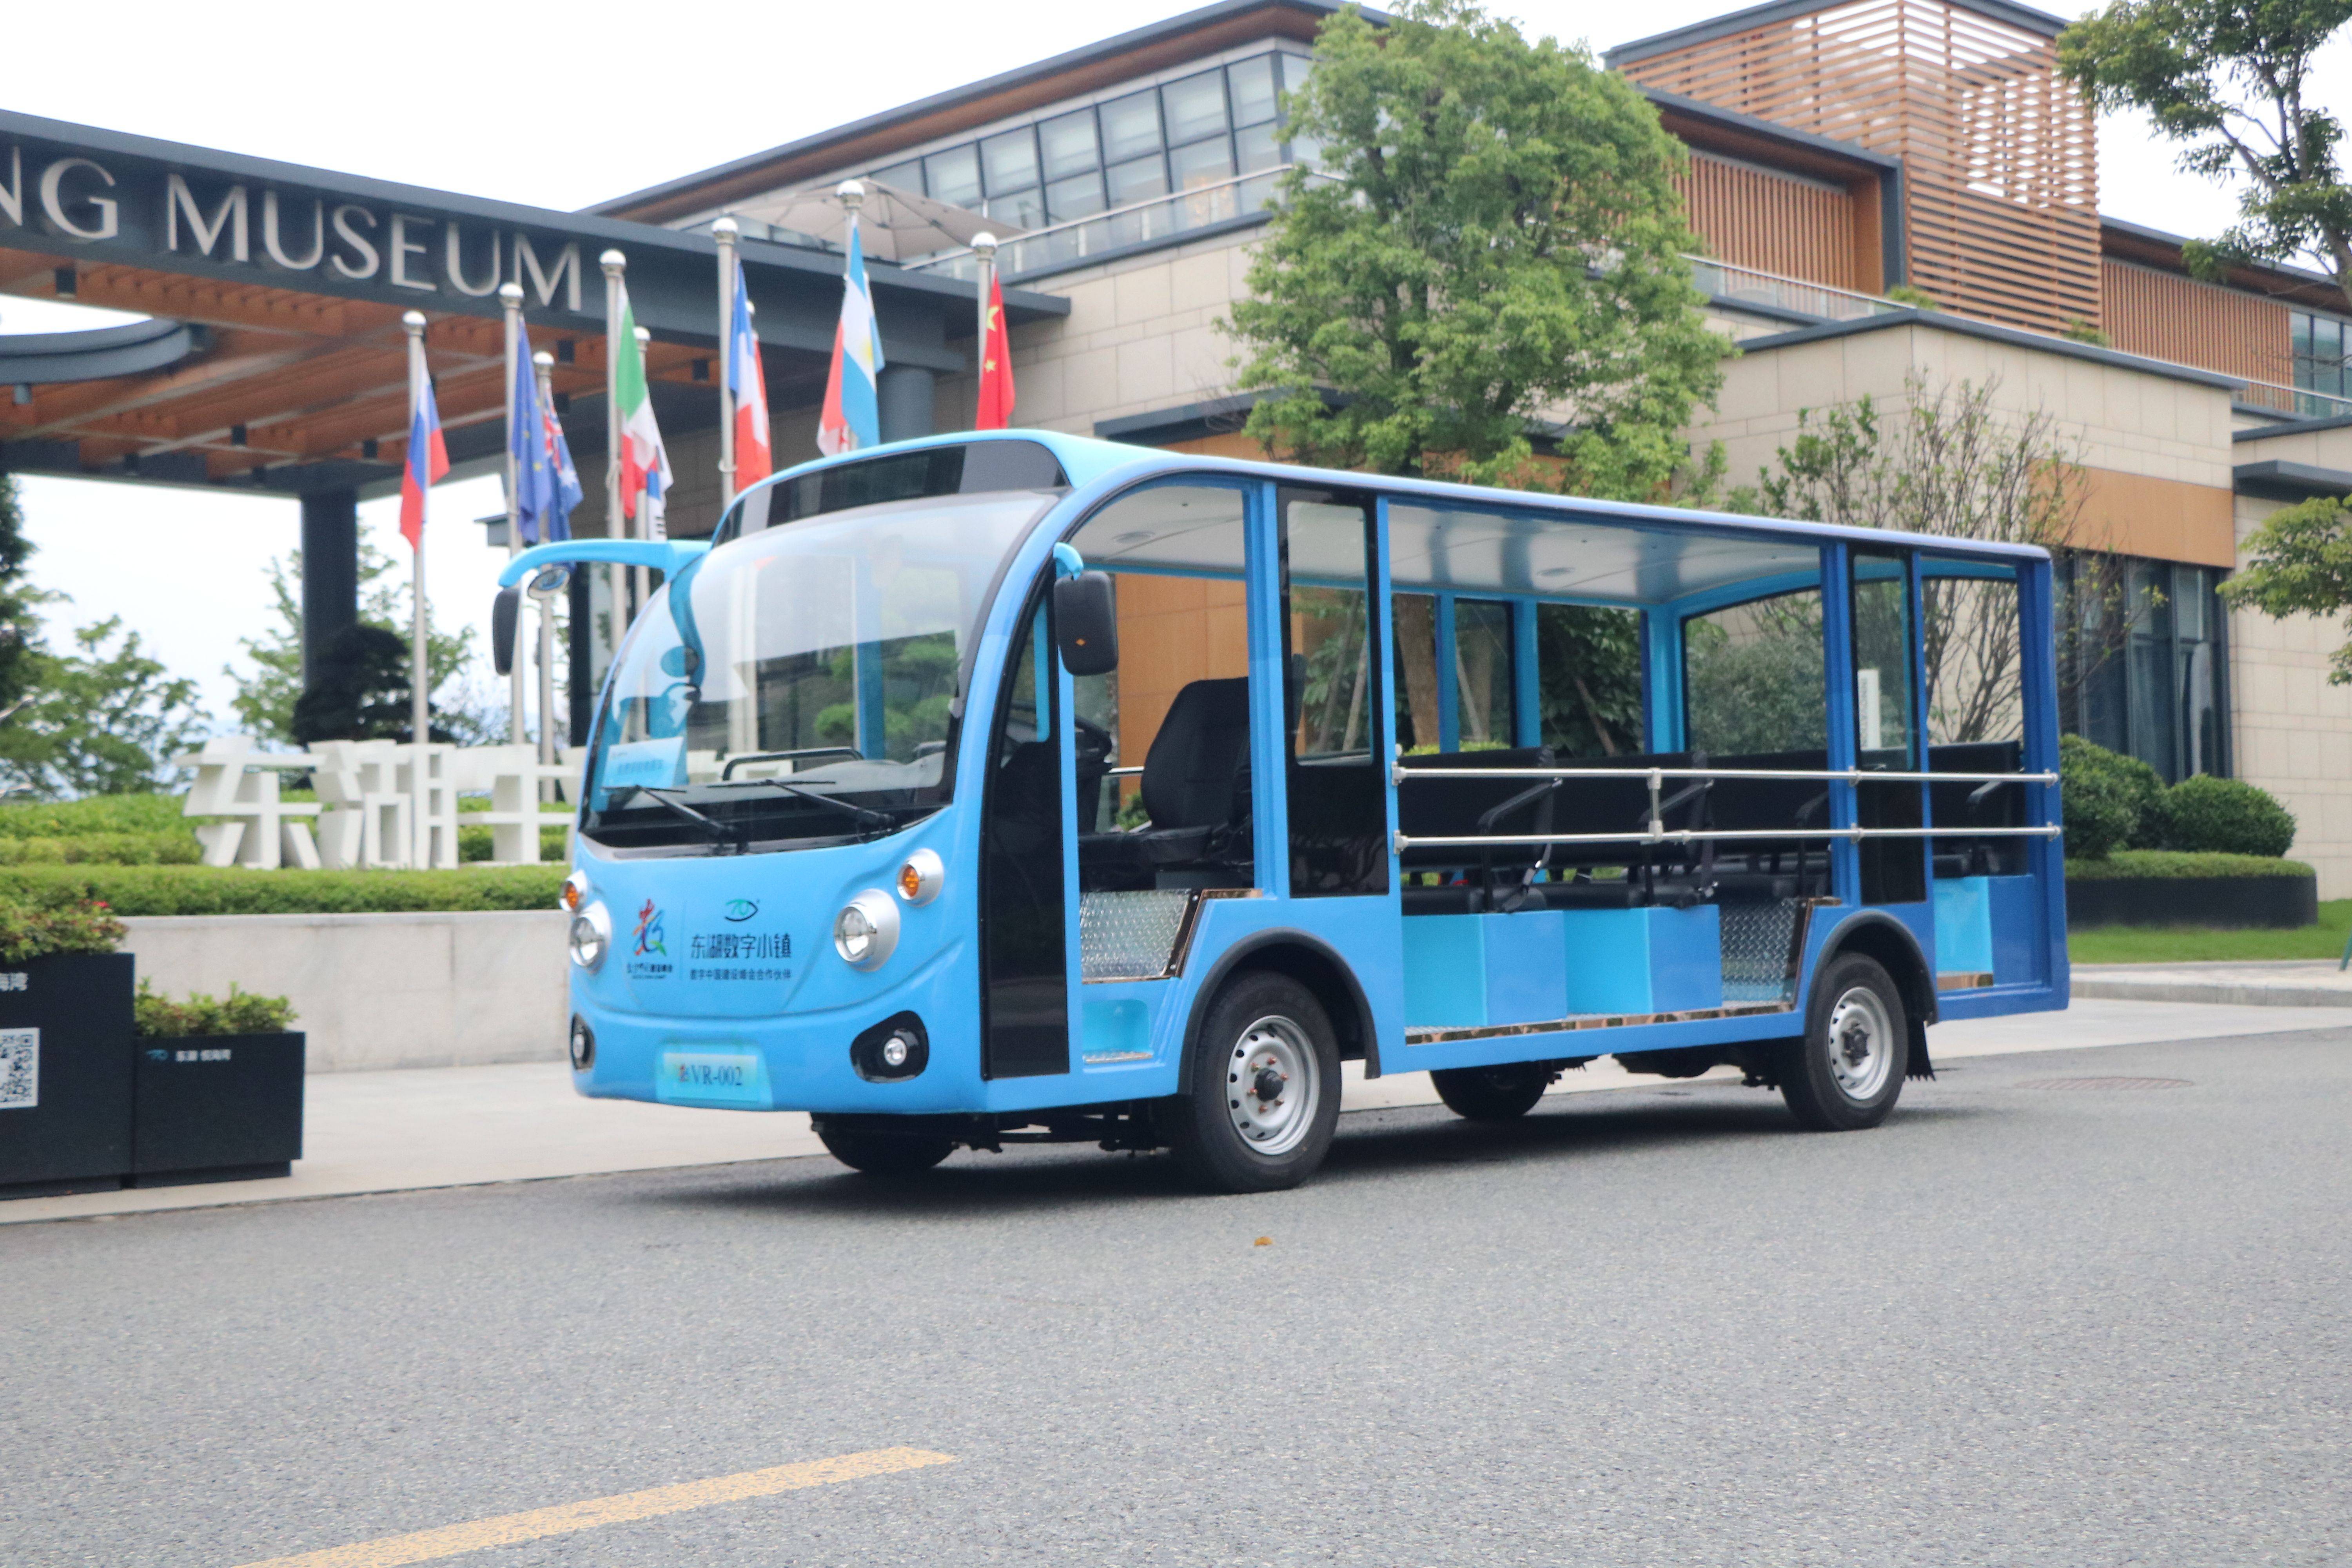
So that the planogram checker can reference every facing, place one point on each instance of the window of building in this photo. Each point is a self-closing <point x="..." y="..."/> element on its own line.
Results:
<point x="1196" y="131"/>
<point x="2146" y="669"/>
<point x="2321" y="345"/>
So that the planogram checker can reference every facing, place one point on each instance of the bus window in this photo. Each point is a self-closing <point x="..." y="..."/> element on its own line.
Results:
<point x="1338" y="798"/>
<point x="1589" y="667"/>
<point x="1163" y="742"/>
<point x="1414" y="615"/>
<point x="1894" y="870"/>
<point x="1482" y="673"/>
<point x="1026" y="986"/>
<point x="1974" y="649"/>
<point x="1752" y="678"/>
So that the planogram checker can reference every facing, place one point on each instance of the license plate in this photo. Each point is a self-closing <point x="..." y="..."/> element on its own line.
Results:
<point x="713" y="1078"/>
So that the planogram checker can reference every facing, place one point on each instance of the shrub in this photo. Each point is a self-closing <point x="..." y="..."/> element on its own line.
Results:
<point x="97" y="814"/>
<point x="2126" y="865"/>
<point x="475" y="843"/>
<point x="2228" y="815"/>
<point x="234" y="890"/>
<point x="35" y="928"/>
<point x="173" y="848"/>
<point x="2100" y="801"/>
<point x="241" y="1013"/>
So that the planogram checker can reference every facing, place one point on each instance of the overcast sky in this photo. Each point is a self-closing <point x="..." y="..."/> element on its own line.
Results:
<point x="520" y="110"/>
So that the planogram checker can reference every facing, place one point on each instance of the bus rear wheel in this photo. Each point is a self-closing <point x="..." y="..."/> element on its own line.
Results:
<point x="883" y="1153"/>
<point x="1847" y="1070"/>
<point x="1491" y="1094"/>
<point x="1265" y="1086"/>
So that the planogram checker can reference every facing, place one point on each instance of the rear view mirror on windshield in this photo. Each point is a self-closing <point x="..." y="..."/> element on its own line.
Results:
<point x="1086" y="623"/>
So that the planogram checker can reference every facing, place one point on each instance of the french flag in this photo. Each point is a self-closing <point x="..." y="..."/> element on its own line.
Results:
<point x="428" y="456"/>
<point x="754" y="461"/>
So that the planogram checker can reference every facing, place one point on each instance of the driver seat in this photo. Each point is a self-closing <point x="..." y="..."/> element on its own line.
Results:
<point x="1195" y="786"/>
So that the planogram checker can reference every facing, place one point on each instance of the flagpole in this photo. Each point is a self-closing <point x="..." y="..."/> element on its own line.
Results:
<point x="724" y="231"/>
<point x="510" y="297"/>
<point x="983" y="246"/>
<point x="420" y="731"/>
<point x="615" y="264"/>
<point x="543" y="364"/>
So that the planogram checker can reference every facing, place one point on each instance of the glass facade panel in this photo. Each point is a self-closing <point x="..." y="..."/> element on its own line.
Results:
<point x="1137" y="180"/>
<point x="1130" y="125"/>
<point x="1195" y="107"/>
<point x="1251" y="83"/>
<point x="1010" y="161"/>
<point x="1081" y="195"/>
<point x="907" y="176"/>
<point x="1201" y="164"/>
<point x="1069" y="144"/>
<point x="1259" y="150"/>
<point x="1022" y="209"/>
<point x="953" y="176"/>
<point x="2319" y="344"/>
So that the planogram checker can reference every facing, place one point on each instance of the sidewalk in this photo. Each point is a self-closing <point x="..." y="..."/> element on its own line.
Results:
<point x="2285" y="983"/>
<point x="448" y="1127"/>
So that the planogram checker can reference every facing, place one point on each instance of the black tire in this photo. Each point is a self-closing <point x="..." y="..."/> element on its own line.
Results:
<point x="1265" y="1019"/>
<point x="1502" y="1093"/>
<point x="1851" y="1081"/>
<point x="883" y="1153"/>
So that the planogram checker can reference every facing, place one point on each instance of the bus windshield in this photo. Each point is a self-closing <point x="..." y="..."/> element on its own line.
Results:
<point x="806" y="693"/>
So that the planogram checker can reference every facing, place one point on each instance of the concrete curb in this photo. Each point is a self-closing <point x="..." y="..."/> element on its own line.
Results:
<point x="2217" y="993"/>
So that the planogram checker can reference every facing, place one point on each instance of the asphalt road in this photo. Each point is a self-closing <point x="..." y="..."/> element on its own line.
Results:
<point x="2016" y="1325"/>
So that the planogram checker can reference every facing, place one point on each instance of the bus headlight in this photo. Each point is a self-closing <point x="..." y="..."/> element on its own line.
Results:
<point x="919" y="878"/>
<point x="867" y="929"/>
<point x="592" y="936"/>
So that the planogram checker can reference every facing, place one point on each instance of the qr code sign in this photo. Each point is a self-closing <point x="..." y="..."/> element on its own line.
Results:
<point x="20" y="1068"/>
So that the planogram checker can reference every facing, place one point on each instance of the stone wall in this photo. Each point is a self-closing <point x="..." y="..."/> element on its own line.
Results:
<point x="383" y="989"/>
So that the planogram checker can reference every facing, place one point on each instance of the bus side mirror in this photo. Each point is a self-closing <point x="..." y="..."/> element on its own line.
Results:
<point x="506" y="610"/>
<point x="1086" y="623"/>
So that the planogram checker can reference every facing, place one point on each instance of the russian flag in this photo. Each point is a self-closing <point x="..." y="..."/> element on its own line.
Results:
<point x="748" y="387"/>
<point x="428" y="456"/>
<point x="851" y="416"/>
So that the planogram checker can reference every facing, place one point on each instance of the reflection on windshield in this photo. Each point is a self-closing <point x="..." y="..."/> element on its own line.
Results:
<point x="829" y="653"/>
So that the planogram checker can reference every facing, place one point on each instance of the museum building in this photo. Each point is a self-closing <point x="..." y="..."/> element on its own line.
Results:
<point x="1838" y="152"/>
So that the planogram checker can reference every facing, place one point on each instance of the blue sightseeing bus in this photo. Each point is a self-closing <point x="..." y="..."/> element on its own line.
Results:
<point x="1016" y="787"/>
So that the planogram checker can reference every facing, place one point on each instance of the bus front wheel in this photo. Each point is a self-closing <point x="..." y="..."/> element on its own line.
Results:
<point x="1264" y="1089"/>
<point x="1847" y="1070"/>
<point x="1491" y="1094"/>
<point x="883" y="1153"/>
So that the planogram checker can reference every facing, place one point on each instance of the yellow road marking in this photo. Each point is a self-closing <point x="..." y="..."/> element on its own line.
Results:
<point x="450" y="1540"/>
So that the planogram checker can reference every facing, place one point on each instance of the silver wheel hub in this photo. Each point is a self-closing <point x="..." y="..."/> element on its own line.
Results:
<point x="1272" y="1087"/>
<point x="1862" y="1043"/>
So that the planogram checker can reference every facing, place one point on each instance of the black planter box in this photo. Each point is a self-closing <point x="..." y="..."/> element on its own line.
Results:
<point x="2227" y="901"/>
<point x="65" y="1073"/>
<point x="217" y="1108"/>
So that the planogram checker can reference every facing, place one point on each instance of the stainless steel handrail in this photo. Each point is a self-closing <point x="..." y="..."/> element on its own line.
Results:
<point x="1693" y="835"/>
<point x="1850" y="775"/>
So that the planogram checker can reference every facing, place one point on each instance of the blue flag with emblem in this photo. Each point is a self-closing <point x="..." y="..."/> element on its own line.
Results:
<point x="546" y="487"/>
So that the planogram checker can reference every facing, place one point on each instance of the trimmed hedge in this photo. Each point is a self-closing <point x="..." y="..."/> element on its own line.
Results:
<point x="179" y="849"/>
<point x="2134" y="865"/>
<point x="97" y="814"/>
<point x="233" y="890"/>
<point x="2227" y="815"/>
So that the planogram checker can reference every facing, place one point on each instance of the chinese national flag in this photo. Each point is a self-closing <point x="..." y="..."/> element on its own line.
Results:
<point x="995" y="366"/>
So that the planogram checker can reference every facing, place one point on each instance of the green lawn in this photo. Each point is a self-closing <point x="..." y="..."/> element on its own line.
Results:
<point x="2188" y="944"/>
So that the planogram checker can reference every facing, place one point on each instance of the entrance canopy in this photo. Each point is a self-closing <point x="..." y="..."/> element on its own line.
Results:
<point x="273" y="360"/>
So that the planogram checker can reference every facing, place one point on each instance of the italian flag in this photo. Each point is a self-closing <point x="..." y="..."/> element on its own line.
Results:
<point x="645" y="475"/>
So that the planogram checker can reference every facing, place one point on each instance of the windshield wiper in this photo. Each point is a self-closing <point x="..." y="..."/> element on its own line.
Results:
<point x="860" y="813"/>
<point x="719" y="832"/>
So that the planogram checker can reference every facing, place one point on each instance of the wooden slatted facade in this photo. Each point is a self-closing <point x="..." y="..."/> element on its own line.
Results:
<point x="1778" y="223"/>
<point x="2166" y="316"/>
<point x="2000" y="163"/>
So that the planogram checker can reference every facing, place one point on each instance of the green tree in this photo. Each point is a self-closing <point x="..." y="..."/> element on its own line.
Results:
<point x="19" y="618"/>
<point x="106" y="719"/>
<point x="264" y="700"/>
<point x="1492" y="244"/>
<point x="2231" y="81"/>
<point x="2300" y="563"/>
